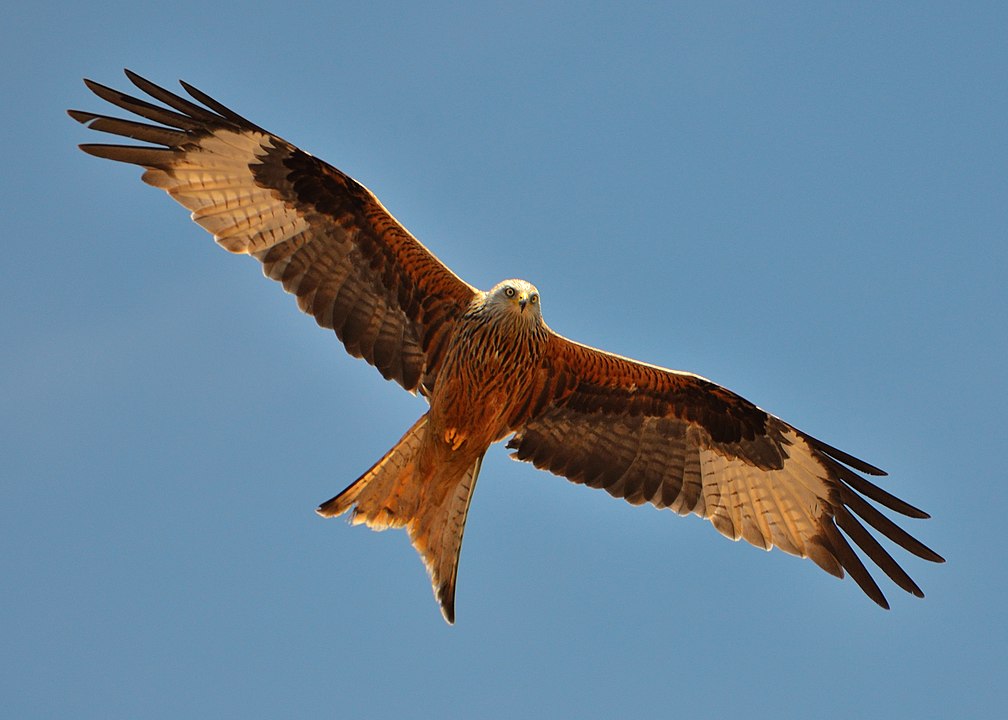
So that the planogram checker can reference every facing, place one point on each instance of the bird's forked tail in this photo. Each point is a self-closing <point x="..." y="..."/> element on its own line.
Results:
<point x="431" y="500"/>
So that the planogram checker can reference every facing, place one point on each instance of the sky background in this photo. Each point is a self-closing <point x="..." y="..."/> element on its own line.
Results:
<point x="805" y="202"/>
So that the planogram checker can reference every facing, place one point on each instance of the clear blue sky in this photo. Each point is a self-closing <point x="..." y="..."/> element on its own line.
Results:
<point x="804" y="202"/>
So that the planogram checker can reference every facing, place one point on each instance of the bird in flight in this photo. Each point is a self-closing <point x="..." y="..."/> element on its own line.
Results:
<point x="489" y="366"/>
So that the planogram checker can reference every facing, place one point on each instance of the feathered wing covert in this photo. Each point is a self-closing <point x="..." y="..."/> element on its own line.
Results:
<point x="642" y="433"/>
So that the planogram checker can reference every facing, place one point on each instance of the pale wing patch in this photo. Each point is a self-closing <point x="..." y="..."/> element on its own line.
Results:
<point x="767" y="508"/>
<point x="214" y="180"/>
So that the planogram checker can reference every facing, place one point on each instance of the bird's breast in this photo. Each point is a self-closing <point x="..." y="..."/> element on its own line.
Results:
<point x="486" y="374"/>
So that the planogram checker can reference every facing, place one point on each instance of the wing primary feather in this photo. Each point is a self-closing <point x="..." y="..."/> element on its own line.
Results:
<point x="142" y="107"/>
<point x="871" y="547"/>
<point x="851" y="562"/>
<point x="171" y="99"/>
<point x="887" y="527"/>
<point x="144" y="156"/>
<point x="217" y="107"/>
<point x="873" y="491"/>
<point x="128" y="128"/>
<point x="843" y="457"/>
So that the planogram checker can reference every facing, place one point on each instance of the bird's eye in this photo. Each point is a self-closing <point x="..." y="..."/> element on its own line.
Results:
<point x="509" y="291"/>
<point x="535" y="298"/>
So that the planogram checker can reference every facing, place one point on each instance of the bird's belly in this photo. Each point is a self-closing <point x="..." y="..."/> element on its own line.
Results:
<point x="472" y="402"/>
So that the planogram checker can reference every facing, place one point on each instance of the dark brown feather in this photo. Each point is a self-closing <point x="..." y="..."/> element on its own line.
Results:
<point x="843" y="552"/>
<point x="172" y="100"/>
<point x="144" y="108"/>
<point x="887" y="527"/>
<point x="878" y="554"/>
<point x="873" y="491"/>
<point x="128" y="128"/>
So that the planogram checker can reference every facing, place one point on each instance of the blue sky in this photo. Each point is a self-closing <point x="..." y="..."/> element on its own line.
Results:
<point x="805" y="203"/>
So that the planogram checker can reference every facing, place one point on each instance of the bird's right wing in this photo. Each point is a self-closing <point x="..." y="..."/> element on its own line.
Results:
<point x="323" y="235"/>
<point x="676" y="440"/>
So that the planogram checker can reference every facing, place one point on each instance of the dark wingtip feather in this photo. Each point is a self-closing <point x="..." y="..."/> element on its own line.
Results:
<point x="104" y="91"/>
<point x="852" y="563"/>
<point x="156" y="134"/>
<point x="871" y="547"/>
<point x="171" y="99"/>
<point x="873" y="491"/>
<point x="217" y="107"/>
<point x="148" y="157"/>
<point x="81" y="116"/>
<point x="887" y="527"/>
<point x="843" y="457"/>
<point x="143" y="108"/>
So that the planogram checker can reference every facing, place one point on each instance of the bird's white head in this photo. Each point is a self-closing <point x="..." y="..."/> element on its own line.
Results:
<point x="517" y="298"/>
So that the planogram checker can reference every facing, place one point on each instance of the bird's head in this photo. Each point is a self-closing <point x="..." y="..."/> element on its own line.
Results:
<point x="517" y="298"/>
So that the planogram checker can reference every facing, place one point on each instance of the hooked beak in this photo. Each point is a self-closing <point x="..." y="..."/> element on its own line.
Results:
<point x="522" y="301"/>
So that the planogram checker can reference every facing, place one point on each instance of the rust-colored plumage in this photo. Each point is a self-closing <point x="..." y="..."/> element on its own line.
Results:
<point x="490" y="367"/>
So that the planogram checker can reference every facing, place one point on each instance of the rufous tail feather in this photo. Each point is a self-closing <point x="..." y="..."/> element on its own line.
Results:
<point x="436" y="533"/>
<point x="385" y="496"/>
<point x="431" y="504"/>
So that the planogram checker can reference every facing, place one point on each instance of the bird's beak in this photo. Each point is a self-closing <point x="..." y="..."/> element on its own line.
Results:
<point x="522" y="301"/>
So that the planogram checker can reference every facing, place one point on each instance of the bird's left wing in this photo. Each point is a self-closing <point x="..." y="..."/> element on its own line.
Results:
<point x="323" y="235"/>
<point x="676" y="440"/>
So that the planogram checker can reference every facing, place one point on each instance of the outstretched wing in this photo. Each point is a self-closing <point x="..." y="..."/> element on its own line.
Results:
<point x="316" y="230"/>
<point x="676" y="440"/>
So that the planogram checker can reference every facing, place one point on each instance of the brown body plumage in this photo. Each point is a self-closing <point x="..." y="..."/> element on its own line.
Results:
<point x="482" y="395"/>
<point x="490" y="367"/>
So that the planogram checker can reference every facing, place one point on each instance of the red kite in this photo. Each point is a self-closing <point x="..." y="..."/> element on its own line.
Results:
<point x="490" y="367"/>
